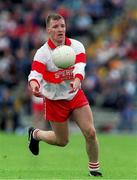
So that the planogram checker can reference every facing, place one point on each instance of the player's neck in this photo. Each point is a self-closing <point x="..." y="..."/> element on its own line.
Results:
<point x="59" y="43"/>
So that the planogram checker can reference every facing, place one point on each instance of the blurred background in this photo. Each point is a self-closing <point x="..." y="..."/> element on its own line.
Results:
<point x="107" y="28"/>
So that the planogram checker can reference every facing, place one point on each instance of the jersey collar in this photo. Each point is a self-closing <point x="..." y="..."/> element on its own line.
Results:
<point x="53" y="46"/>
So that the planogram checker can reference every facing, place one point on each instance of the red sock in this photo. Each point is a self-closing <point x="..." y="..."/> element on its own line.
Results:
<point x="93" y="166"/>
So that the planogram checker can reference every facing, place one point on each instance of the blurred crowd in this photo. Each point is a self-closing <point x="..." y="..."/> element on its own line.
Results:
<point x="108" y="32"/>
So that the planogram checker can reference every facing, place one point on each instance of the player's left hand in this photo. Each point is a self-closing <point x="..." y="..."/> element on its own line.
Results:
<point x="74" y="85"/>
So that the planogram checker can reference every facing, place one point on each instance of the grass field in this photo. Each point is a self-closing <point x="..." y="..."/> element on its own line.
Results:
<point x="118" y="156"/>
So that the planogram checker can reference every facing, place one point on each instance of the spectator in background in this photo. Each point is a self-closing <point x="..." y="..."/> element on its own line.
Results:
<point x="9" y="117"/>
<point x="23" y="64"/>
<point x="91" y="86"/>
<point x="127" y="112"/>
<point x="95" y="9"/>
<point x="83" y="23"/>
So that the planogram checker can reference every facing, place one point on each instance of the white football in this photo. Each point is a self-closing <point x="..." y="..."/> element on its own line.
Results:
<point x="63" y="56"/>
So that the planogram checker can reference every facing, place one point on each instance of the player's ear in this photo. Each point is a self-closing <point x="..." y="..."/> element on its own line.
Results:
<point x="48" y="30"/>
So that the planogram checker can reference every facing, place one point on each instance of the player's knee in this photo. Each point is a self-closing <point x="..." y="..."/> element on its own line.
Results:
<point x="63" y="142"/>
<point x="90" y="133"/>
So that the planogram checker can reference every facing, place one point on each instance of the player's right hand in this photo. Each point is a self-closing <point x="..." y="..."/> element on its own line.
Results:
<point x="35" y="89"/>
<point x="36" y="92"/>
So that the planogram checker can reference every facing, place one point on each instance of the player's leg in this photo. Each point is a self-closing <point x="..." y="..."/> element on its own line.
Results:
<point x="84" y="119"/>
<point x="57" y="136"/>
<point x="57" y="112"/>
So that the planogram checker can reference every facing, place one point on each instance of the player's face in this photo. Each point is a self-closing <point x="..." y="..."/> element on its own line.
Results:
<point x="56" y="31"/>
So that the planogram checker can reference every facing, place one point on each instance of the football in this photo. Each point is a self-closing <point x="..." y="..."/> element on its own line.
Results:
<point x="63" y="56"/>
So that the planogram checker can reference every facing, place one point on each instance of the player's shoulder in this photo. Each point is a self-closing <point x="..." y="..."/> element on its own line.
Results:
<point x="43" y="49"/>
<point x="77" y="45"/>
<point x="42" y="53"/>
<point x="76" y="42"/>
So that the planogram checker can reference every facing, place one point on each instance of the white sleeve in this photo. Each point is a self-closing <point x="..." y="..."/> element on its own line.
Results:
<point x="38" y="57"/>
<point x="35" y="75"/>
<point x="79" y="68"/>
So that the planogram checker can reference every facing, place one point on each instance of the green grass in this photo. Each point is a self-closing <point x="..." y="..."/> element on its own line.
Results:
<point x="118" y="156"/>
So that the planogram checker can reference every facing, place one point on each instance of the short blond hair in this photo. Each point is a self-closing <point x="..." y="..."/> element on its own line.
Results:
<point x="53" y="16"/>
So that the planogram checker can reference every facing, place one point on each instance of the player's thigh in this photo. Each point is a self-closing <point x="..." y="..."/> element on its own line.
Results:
<point x="60" y="129"/>
<point x="84" y="119"/>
